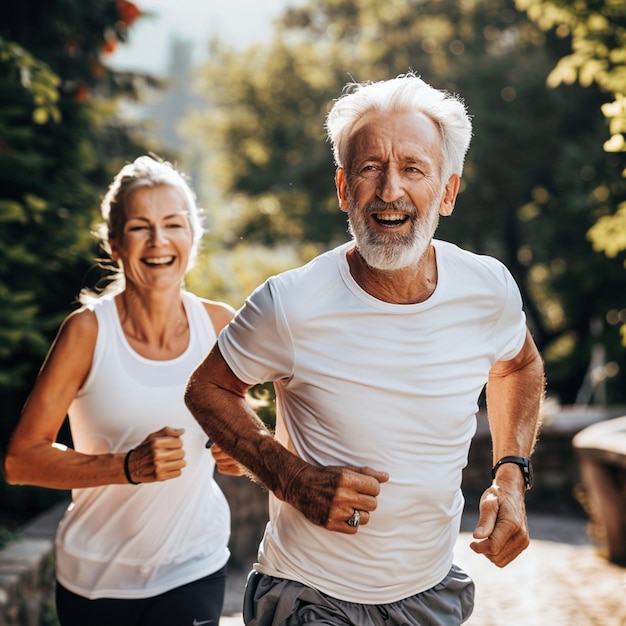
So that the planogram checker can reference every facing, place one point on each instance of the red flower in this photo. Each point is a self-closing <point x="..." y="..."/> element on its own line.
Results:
<point x="97" y="69"/>
<point x="81" y="94"/>
<point x="110" y="43"/>
<point x="128" y="11"/>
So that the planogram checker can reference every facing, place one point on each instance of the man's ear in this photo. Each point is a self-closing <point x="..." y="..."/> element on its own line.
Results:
<point x="449" y="195"/>
<point x="340" y="182"/>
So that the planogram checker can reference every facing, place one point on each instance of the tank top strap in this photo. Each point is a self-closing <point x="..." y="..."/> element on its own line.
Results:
<point x="200" y="320"/>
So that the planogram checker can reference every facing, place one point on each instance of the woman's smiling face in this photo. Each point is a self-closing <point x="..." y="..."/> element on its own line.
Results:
<point x="157" y="237"/>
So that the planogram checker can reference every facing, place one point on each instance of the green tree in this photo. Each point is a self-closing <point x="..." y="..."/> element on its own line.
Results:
<point x="60" y="143"/>
<point x="535" y="179"/>
<point x="597" y="30"/>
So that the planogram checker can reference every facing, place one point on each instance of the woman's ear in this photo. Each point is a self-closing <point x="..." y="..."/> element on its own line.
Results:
<point x="449" y="195"/>
<point x="115" y="253"/>
<point x="340" y="183"/>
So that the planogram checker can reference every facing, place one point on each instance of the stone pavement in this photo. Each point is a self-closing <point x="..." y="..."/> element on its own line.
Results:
<point x="560" y="580"/>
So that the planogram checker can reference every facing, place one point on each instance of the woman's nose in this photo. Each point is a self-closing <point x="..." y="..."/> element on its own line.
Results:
<point x="157" y="235"/>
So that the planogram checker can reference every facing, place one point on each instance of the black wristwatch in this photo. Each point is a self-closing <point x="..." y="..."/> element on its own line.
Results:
<point x="523" y="463"/>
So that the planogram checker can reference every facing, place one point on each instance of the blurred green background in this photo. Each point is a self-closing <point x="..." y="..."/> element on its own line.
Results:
<point x="543" y="190"/>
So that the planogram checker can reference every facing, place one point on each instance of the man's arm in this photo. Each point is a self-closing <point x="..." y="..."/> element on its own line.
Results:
<point x="514" y="394"/>
<point x="327" y="496"/>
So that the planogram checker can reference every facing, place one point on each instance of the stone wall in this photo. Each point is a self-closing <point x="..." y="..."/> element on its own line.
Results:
<point x="27" y="574"/>
<point x="249" y="514"/>
<point x="26" y="564"/>
<point x="556" y="469"/>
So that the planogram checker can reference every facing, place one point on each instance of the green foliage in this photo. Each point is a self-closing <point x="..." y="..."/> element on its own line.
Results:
<point x="597" y="30"/>
<point x="263" y="400"/>
<point x="536" y="176"/>
<point x="270" y="108"/>
<point x="60" y="144"/>
<point x="34" y="76"/>
<point x="48" y="615"/>
<point x="56" y="125"/>
<point x="230" y="275"/>
<point x="598" y="34"/>
<point x="609" y="232"/>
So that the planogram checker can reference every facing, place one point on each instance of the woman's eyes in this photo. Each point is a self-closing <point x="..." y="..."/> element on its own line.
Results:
<point x="140" y="227"/>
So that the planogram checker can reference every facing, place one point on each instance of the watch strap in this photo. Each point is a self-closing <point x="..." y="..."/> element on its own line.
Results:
<point x="522" y="462"/>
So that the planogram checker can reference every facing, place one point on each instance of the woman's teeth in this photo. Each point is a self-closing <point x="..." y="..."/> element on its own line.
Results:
<point x="163" y="260"/>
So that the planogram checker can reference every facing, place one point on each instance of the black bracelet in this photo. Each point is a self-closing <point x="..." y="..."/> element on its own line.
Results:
<point x="126" y="470"/>
<point x="523" y="463"/>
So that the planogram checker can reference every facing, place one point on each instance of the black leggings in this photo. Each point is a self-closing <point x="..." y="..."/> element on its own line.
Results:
<point x="194" y="604"/>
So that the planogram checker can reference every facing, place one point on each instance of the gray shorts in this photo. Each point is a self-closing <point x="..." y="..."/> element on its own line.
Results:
<point x="280" y="602"/>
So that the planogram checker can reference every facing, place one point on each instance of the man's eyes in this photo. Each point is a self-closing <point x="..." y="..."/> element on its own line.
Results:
<point x="370" y="171"/>
<point x="374" y="171"/>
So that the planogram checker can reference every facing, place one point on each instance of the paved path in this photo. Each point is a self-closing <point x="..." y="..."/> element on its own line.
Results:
<point x="560" y="580"/>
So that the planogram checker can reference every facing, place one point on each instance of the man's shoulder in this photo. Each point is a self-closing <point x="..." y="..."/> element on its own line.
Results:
<point x="450" y="252"/>
<point x="469" y="272"/>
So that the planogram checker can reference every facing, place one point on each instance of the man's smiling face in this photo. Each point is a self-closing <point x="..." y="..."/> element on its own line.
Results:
<point x="392" y="188"/>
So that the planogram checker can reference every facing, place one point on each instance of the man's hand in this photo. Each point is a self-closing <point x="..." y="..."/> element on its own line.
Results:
<point x="328" y="496"/>
<point x="502" y="530"/>
<point x="160" y="456"/>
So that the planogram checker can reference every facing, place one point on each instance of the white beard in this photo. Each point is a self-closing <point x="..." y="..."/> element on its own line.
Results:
<point x="392" y="251"/>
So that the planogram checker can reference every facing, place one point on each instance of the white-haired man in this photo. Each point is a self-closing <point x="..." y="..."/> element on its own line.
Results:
<point x="379" y="350"/>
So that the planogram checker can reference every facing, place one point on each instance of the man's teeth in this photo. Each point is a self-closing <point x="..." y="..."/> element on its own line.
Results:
<point x="390" y="217"/>
<point x="163" y="260"/>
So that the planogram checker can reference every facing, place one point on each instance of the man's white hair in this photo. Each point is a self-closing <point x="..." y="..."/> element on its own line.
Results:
<point x="407" y="92"/>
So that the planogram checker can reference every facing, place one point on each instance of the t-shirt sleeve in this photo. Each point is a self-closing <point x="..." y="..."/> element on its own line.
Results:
<point x="257" y="344"/>
<point x="510" y="330"/>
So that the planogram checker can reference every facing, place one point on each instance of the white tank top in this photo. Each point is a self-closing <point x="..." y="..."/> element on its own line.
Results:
<point x="127" y="541"/>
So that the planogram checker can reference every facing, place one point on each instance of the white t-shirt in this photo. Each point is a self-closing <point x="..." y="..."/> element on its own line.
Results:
<point x="363" y="382"/>
<point x="137" y="541"/>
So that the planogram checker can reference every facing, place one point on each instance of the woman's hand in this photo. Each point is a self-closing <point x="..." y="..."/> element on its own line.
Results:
<point x="226" y="464"/>
<point x="160" y="456"/>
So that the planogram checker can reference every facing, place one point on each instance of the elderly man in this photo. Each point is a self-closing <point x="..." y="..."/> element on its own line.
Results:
<point x="379" y="350"/>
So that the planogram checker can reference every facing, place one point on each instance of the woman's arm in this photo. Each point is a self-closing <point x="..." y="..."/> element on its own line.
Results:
<point x="33" y="456"/>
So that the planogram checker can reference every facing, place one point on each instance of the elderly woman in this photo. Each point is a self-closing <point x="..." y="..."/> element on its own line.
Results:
<point x="144" y="540"/>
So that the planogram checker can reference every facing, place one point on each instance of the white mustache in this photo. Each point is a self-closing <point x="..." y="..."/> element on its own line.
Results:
<point x="378" y="206"/>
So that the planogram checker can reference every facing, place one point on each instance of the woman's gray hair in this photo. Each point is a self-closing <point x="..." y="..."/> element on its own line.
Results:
<point x="142" y="172"/>
<point x="407" y="92"/>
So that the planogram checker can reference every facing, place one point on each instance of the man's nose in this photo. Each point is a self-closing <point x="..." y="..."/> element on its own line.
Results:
<point x="390" y="187"/>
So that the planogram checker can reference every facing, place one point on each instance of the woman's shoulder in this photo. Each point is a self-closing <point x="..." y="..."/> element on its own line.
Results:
<point x="76" y="337"/>
<point x="81" y="323"/>
<point x="219" y="312"/>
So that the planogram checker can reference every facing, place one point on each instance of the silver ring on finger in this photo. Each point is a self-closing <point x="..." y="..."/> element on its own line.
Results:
<point x="355" y="520"/>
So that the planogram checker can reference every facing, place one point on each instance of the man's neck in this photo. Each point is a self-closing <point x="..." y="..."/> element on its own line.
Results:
<point x="408" y="285"/>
